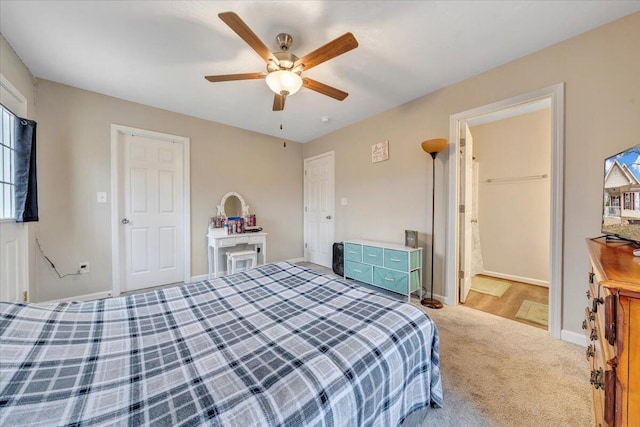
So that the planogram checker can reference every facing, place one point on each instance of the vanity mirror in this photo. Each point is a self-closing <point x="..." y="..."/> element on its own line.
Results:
<point x="233" y="204"/>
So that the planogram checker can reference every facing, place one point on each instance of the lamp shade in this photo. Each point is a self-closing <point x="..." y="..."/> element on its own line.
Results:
<point x="284" y="81"/>
<point x="432" y="146"/>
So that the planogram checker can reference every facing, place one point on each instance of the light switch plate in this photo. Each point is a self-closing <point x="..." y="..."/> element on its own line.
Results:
<point x="102" y="197"/>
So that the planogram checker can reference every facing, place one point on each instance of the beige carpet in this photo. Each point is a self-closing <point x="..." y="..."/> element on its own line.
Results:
<point x="498" y="372"/>
<point x="489" y="286"/>
<point x="534" y="312"/>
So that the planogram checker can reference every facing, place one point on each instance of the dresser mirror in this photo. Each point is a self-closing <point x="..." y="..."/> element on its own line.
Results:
<point x="232" y="204"/>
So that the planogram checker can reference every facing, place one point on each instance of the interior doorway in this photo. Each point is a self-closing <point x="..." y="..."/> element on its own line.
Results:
<point x="460" y="220"/>
<point x="150" y="213"/>
<point x="504" y="228"/>
<point x="319" y="209"/>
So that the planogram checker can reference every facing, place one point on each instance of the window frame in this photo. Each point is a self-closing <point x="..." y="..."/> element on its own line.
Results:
<point x="7" y="147"/>
<point x="15" y="102"/>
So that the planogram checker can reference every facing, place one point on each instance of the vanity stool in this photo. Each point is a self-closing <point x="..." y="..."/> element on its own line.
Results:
<point x="250" y="257"/>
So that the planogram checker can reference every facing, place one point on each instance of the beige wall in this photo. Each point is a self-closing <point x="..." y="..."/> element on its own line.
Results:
<point x="513" y="216"/>
<point x="602" y="111"/>
<point x="12" y="68"/>
<point x="74" y="164"/>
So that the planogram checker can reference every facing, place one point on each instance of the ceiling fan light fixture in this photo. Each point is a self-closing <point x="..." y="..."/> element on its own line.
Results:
<point x="284" y="81"/>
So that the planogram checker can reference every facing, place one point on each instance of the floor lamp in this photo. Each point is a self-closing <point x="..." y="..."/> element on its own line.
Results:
<point x="433" y="147"/>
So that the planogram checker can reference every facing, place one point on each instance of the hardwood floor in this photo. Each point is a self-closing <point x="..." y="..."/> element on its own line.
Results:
<point x="509" y="303"/>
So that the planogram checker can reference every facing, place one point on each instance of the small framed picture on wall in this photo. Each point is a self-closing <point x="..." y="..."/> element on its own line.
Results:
<point x="380" y="152"/>
<point x="411" y="238"/>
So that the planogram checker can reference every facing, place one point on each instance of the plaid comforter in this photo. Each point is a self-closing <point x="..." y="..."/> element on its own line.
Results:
<point x="276" y="345"/>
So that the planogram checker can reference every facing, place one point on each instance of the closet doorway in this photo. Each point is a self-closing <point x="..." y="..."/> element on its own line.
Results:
<point x="503" y="172"/>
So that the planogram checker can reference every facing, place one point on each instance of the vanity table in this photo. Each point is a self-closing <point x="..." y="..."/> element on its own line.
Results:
<point x="219" y="242"/>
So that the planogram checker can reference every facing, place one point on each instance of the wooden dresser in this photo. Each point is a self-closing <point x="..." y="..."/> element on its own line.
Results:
<point x="612" y="325"/>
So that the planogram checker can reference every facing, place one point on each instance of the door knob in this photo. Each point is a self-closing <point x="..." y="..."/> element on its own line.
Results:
<point x="328" y="216"/>
<point x="125" y="221"/>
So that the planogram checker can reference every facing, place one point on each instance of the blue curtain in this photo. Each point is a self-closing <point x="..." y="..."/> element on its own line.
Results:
<point x="25" y="172"/>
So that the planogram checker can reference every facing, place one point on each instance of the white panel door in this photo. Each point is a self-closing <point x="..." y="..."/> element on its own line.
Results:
<point x="152" y="212"/>
<point x="13" y="261"/>
<point x="466" y="199"/>
<point x="319" y="209"/>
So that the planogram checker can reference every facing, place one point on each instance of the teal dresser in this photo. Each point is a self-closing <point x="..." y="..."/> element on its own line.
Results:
<point x="396" y="268"/>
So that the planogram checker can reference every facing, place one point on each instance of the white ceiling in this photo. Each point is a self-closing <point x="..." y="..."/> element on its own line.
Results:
<point x="158" y="52"/>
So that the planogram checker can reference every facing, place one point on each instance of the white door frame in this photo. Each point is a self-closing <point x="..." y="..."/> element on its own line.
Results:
<point x="116" y="261"/>
<point x="331" y="154"/>
<point x="22" y="285"/>
<point x="556" y="95"/>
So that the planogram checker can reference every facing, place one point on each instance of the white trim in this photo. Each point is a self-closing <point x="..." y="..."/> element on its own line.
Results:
<point x="115" y="220"/>
<point x="86" y="297"/>
<point x="556" y="94"/>
<point x="573" y="337"/>
<point x="529" y="280"/>
<point x="17" y="103"/>
<point x="199" y="278"/>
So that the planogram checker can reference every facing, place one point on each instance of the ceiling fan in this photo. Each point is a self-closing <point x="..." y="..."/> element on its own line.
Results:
<point x="284" y="69"/>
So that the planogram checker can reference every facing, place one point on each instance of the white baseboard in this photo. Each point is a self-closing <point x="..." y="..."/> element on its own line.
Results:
<point x="529" y="280"/>
<point x="87" y="297"/>
<point x="294" y="260"/>
<point x="199" y="278"/>
<point x="446" y="300"/>
<point x="573" y="337"/>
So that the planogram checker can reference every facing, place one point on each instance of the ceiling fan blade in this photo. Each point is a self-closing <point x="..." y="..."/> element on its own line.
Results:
<point x="236" y="24"/>
<point x="324" y="89"/>
<point x="334" y="48"/>
<point x="278" y="102"/>
<point x="231" y="77"/>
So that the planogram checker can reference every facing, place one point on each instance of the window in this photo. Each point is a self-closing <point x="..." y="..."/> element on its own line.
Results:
<point x="7" y="165"/>
<point x="632" y="200"/>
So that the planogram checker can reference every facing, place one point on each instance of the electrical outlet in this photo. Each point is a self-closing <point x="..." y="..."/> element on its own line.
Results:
<point x="83" y="268"/>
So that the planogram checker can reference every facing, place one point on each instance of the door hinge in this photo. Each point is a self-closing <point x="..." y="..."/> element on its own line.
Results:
<point x="461" y="209"/>
<point x="305" y="246"/>
<point x="461" y="274"/>
<point x="305" y="208"/>
<point x="25" y="296"/>
<point x="305" y="172"/>
<point x="463" y="142"/>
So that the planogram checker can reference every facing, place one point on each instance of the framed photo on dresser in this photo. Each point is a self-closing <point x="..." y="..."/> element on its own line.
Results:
<point x="411" y="238"/>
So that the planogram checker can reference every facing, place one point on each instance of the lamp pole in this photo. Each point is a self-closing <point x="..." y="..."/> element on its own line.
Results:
<point x="433" y="147"/>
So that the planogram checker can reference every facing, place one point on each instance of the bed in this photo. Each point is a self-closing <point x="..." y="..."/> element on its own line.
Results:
<point x="278" y="345"/>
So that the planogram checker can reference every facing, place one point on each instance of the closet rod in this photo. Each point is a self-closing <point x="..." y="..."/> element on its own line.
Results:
<point x="517" y="178"/>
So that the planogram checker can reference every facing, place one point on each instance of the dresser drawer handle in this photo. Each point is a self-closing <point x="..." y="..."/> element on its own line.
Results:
<point x="597" y="379"/>
<point x="353" y="252"/>
<point x="394" y="260"/>
<point x="594" y="334"/>
<point x="357" y="271"/>
<point x="588" y="294"/>
<point x="389" y="279"/>
<point x="591" y="351"/>
<point x="372" y="255"/>
<point x="584" y="325"/>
